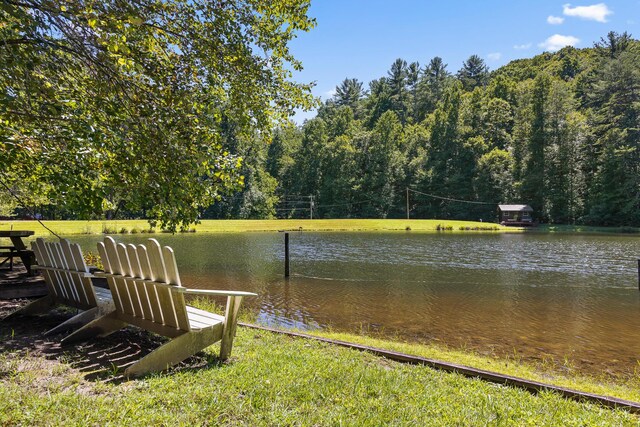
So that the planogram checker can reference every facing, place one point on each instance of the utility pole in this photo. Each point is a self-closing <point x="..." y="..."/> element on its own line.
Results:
<point x="311" y="206"/>
<point x="407" y="202"/>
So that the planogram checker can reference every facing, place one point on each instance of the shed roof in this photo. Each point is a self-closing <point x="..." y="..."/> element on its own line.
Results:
<point x="515" y="208"/>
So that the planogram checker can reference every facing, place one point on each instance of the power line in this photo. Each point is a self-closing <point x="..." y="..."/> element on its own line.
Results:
<point x="293" y="202"/>
<point x="451" y="199"/>
<point x="345" y="204"/>
<point x="292" y="209"/>
<point x="312" y="205"/>
<point x="295" y="196"/>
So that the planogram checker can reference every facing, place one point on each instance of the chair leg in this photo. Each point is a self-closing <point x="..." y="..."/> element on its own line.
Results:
<point x="175" y="351"/>
<point x="38" y="306"/>
<point x="76" y="321"/>
<point x="100" y="327"/>
<point x="230" y="325"/>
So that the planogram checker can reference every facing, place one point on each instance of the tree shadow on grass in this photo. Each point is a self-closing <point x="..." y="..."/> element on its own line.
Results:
<point x="99" y="359"/>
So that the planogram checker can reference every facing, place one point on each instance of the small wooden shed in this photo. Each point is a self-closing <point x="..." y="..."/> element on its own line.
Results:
<point x="519" y="215"/>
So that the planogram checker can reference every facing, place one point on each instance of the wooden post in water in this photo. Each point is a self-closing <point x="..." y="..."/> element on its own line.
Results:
<point x="407" y="202"/>
<point x="286" y="254"/>
<point x="639" y="274"/>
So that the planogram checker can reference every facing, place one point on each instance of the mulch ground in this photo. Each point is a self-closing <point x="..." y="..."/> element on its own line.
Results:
<point x="100" y="359"/>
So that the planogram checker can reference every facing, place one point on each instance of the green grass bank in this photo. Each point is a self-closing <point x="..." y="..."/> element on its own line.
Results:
<point x="246" y="225"/>
<point x="553" y="372"/>
<point x="276" y="380"/>
<point x="221" y="226"/>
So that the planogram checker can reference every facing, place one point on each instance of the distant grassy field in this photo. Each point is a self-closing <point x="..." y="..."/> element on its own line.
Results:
<point x="219" y="226"/>
<point x="241" y="225"/>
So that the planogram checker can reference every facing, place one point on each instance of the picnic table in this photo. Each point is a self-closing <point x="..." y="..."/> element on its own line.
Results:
<point x="17" y="249"/>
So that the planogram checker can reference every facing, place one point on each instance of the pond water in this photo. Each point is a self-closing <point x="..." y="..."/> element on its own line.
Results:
<point x="537" y="296"/>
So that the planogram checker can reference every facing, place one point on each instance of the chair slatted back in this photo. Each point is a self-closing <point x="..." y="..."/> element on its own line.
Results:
<point x="64" y="272"/>
<point x="141" y="289"/>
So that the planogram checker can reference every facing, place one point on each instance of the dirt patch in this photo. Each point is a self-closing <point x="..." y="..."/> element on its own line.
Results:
<point x="9" y="306"/>
<point x="25" y="353"/>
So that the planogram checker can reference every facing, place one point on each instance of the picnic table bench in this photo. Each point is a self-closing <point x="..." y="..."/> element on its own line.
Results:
<point x="18" y="249"/>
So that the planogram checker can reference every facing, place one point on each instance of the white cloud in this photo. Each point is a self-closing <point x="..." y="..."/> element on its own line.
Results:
<point x="555" y="20"/>
<point x="330" y="93"/>
<point x="596" y="12"/>
<point x="494" y="56"/>
<point x="557" y="42"/>
<point x="522" y="46"/>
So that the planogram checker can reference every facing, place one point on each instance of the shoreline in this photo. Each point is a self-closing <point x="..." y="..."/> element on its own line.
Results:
<point x="71" y="227"/>
<point x="79" y="227"/>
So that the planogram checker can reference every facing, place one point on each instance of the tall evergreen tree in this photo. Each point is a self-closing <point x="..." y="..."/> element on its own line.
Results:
<point x="616" y="100"/>
<point x="413" y="78"/>
<point x="474" y="73"/>
<point x="280" y="156"/>
<point x="533" y="180"/>
<point x="493" y="181"/>
<point x="383" y="170"/>
<point x="498" y="123"/>
<point x="349" y="93"/>
<point x="379" y="100"/>
<point x="565" y="136"/>
<point x="308" y="167"/>
<point x="431" y="87"/>
<point x="397" y="78"/>
<point x="613" y="44"/>
<point x="444" y="148"/>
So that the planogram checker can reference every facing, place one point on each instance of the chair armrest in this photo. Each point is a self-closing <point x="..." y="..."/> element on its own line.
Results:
<point x="180" y="289"/>
<point x="211" y="292"/>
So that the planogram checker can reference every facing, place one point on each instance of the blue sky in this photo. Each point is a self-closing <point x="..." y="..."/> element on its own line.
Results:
<point x="361" y="38"/>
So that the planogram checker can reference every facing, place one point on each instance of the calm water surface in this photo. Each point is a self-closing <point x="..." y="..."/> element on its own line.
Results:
<point x="552" y="297"/>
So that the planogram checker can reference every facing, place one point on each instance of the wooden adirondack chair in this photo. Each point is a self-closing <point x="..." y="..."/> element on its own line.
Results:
<point x="147" y="293"/>
<point x="69" y="283"/>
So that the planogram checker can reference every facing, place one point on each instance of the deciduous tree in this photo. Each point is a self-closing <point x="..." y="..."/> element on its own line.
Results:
<point x="127" y="98"/>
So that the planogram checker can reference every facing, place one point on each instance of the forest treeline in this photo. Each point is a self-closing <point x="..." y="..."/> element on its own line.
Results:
<point x="559" y="131"/>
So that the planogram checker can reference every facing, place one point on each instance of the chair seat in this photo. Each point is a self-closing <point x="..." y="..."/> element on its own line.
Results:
<point x="200" y="319"/>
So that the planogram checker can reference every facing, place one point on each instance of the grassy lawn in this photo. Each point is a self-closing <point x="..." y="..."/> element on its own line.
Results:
<point x="276" y="380"/>
<point x="217" y="226"/>
<point x="548" y="372"/>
